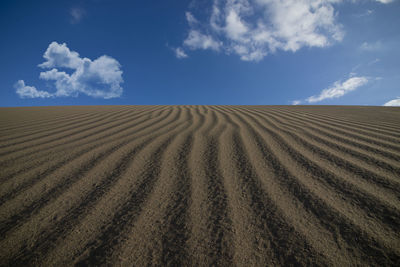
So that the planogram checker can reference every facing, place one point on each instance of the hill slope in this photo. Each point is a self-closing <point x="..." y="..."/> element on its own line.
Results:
<point x="200" y="185"/>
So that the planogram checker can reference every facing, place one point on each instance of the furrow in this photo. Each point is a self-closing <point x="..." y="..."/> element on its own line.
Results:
<point x="361" y="167"/>
<point x="350" y="171"/>
<point x="369" y="138"/>
<point x="120" y="112"/>
<point x="29" y="207"/>
<point x="367" y="246"/>
<point x="59" y="135"/>
<point x="373" y="206"/>
<point x="27" y="161"/>
<point x="31" y="135"/>
<point x="196" y="185"/>
<point x="42" y="122"/>
<point x="76" y="216"/>
<point x="352" y="144"/>
<point x="42" y="155"/>
<point x="161" y="235"/>
<point x="211" y="231"/>
<point x="175" y="237"/>
<point x="96" y="228"/>
<point x="354" y="125"/>
<point x="173" y="241"/>
<point x="49" y="133"/>
<point x="273" y="183"/>
<point x="260" y="236"/>
<point x="370" y="245"/>
<point x="80" y="197"/>
<point x="10" y="189"/>
<point x="320" y="136"/>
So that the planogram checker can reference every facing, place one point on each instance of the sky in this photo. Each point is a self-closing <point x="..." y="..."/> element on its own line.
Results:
<point x="200" y="52"/>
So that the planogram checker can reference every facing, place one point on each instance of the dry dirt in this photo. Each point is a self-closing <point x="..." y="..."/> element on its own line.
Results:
<point x="200" y="186"/>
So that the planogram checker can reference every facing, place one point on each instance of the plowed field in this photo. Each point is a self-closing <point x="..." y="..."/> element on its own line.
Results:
<point x="200" y="186"/>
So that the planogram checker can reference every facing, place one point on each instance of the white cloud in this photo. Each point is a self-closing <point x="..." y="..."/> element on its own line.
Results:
<point x="77" y="13"/>
<point x="254" y="28"/>
<point x="393" y="103"/>
<point x="59" y="55"/>
<point x="364" y="13"/>
<point x="339" y="89"/>
<point x="371" y="46"/>
<point x="296" y="102"/>
<point x="25" y="91"/>
<point x="376" y="60"/>
<point x="235" y="28"/>
<point x="197" y="40"/>
<point x="385" y="1"/>
<point x="100" y="78"/>
<point x="180" y="53"/>
<point x="190" y="18"/>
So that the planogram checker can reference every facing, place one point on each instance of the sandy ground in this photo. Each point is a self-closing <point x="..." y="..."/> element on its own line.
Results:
<point x="200" y="186"/>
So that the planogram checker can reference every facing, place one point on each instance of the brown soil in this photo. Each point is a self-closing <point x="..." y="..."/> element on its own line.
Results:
<point x="200" y="186"/>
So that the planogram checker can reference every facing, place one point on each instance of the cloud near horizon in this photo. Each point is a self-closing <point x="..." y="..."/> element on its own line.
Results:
<point x="393" y="103"/>
<point x="338" y="89"/>
<point x="385" y="1"/>
<point x="100" y="78"/>
<point x="252" y="29"/>
<point x="25" y="91"/>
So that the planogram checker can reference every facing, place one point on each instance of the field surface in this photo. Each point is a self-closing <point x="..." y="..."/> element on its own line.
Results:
<point x="200" y="186"/>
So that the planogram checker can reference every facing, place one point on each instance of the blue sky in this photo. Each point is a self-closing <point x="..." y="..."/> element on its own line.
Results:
<point x="251" y="52"/>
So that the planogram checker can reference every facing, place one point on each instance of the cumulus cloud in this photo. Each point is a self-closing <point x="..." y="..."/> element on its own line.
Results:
<point x="393" y="103"/>
<point x="59" y="55"/>
<point x="99" y="78"/>
<point x="296" y="102"/>
<point x="253" y="28"/>
<point x="339" y="89"/>
<point x="25" y="91"/>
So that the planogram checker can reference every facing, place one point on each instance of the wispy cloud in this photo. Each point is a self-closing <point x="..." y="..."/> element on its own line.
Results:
<point x="191" y="19"/>
<point x="339" y="89"/>
<point x="365" y="13"/>
<point x="393" y="103"/>
<point x="385" y="1"/>
<point x="197" y="40"/>
<point x="253" y="28"/>
<point x="99" y="78"/>
<point x="180" y="53"/>
<point x="76" y="13"/>
<point x="372" y="62"/>
<point x="374" y="46"/>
